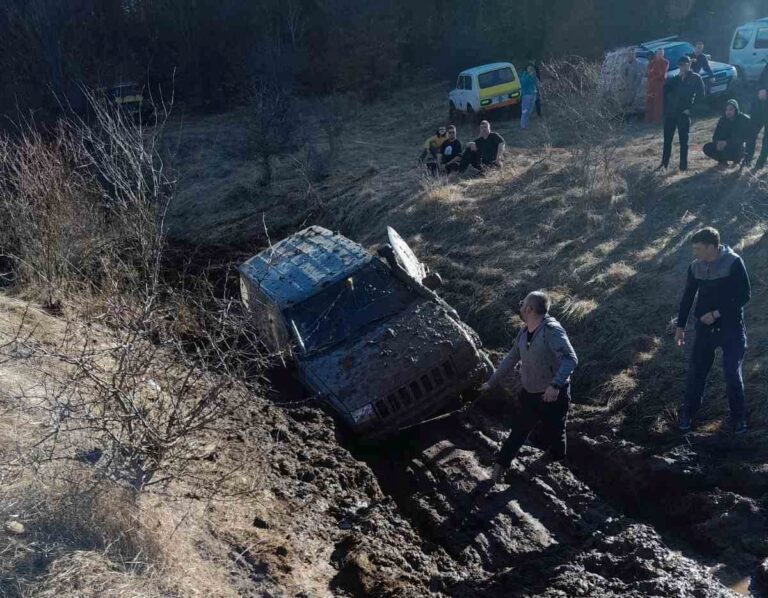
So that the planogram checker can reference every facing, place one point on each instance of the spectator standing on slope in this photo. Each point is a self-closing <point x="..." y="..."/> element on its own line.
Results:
<point x="718" y="280"/>
<point x="529" y="88"/>
<point x="700" y="61"/>
<point x="680" y="94"/>
<point x="654" y="92"/>
<point x="632" y="73"/>
<point x="547" y="361"/>
<point x="759" y="121"/>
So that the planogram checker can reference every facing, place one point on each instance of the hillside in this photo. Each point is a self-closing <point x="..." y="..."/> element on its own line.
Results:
<point x="636" y="511"/>
<point x="592" y="224"/>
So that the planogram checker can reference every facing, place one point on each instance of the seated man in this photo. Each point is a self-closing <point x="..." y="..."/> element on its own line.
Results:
<point x="733" y="131"/>
<point x="487" y="151"/>
<point x="432" y="149"/>
<point x="450" y="152"/>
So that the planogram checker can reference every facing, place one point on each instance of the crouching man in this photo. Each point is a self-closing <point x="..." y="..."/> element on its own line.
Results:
<point x="547" y="361"/>
<point x="733" y="132"/>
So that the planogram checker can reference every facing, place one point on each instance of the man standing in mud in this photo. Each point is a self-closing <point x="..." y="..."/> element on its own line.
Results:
<point x="547" y="361"/>
<point x="719" y="278"/>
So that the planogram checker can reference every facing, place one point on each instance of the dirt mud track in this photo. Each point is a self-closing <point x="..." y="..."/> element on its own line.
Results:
<point x="545" y="531"/>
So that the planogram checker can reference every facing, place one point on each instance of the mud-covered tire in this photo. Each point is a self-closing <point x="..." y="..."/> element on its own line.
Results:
<point x="453" y="114"/>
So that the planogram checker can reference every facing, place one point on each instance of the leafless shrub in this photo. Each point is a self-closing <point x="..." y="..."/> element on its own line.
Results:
<point x="147" y="366"/>
<point x="581" y="118"/>
<point x="271" y="126"/>
<point x="335" y="112"/>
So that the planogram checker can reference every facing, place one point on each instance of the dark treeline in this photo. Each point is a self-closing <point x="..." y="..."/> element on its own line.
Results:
<point x="212" y="51"/>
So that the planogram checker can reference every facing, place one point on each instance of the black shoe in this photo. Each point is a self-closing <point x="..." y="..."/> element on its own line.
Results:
<point x="660" y="167"/>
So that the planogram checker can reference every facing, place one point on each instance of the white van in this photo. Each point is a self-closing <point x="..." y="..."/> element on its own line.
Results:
<point x="749" y="49"/>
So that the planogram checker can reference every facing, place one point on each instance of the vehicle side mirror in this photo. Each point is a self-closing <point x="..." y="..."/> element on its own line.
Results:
<point x="432" y="281"/>
<point x="386" y="253"/>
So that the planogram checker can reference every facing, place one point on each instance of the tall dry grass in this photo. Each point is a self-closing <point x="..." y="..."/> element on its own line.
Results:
<point x="145" y="369"/>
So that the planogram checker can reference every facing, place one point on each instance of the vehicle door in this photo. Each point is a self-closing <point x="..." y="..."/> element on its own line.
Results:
<point x="759" y="55"/>
<point x="456" y="95"/>
<point x="471" y="93"/>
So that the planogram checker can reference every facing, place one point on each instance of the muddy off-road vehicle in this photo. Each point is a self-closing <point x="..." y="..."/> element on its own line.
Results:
<point x="369" y="335"/>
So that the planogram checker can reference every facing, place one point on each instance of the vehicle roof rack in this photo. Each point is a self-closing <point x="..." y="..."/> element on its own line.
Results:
<point x="659" y="41"/>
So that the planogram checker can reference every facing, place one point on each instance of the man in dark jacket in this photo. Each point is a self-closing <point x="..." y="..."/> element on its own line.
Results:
<point x="733" y="132"/>
<point x="487" y="151"/>
<point x="760" y="121"/>
<point x="450" y="152"/>
<point x="719" y="278"/>
<point x="700" y="61"/>
<point x="547" y="361"/>
<point x="680" y="94"/>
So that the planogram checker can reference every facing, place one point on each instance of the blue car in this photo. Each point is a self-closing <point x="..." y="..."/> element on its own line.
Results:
<point x="716" y="84"/>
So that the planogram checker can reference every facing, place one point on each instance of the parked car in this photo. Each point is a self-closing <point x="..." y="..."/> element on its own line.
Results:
<point x="716" y="85"/>
<point x="483" y="89"/>
<point x="368" y="334"/>
<point x="749" y="49"/>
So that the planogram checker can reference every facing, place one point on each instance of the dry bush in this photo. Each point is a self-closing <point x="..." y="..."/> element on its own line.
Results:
<point x="146" y="365"/>
<point x="581" y="118"/>
<point x="77" y="536"/>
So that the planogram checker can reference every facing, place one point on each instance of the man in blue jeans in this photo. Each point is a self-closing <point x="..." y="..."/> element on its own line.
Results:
<point x="719" y="278"/>
<point x="547" y="361"/>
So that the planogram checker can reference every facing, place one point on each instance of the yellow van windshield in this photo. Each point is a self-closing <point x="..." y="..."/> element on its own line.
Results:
<point x="497" y="77"/>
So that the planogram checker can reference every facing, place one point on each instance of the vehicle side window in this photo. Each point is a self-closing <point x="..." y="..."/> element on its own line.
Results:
<point x="467" y="82"/>
<point x="761" y="41"/>
<point x="741" y="39"/>
<point x="460" y="82"/>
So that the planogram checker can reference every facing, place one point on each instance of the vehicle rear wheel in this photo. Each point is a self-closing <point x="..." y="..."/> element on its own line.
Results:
<point x="452" y="113"/>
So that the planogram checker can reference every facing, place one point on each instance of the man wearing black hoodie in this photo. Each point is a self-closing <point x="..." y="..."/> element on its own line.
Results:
<point x="719" y="278"/>
<point x="733" y="132"/>
<point x="680" y="94"/>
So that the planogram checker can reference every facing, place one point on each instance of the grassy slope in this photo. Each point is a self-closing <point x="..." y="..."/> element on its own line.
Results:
<point x="613" y="249"/>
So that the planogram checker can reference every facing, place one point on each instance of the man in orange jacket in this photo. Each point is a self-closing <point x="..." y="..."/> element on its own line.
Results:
<point x="654" y="93"/>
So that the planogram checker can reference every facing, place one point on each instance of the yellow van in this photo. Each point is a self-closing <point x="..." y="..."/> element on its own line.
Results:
<point x="485" y="88"/>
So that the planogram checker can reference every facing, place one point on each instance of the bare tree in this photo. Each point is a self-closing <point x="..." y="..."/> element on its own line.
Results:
<point x="271" y="126"/>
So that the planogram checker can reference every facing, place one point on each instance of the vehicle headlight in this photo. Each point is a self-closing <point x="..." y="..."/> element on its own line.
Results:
<point x="363" y="414"/>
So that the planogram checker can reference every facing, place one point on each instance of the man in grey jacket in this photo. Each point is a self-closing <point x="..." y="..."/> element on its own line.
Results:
<point x="547" y="361"/>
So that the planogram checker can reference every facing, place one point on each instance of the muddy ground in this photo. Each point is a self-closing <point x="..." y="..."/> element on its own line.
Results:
<point x="636" y="509"/>
<point x="414" y="517"/>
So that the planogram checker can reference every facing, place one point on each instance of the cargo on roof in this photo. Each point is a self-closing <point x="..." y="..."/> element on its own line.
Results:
<point x="303" y="264"/>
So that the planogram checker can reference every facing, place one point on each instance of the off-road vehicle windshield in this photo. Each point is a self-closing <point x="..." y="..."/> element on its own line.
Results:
<point x="344" y="308"/>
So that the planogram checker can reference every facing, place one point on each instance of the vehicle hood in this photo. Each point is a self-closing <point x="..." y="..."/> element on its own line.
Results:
<point x="717" y="68"/>
<point x="391" y="354"/>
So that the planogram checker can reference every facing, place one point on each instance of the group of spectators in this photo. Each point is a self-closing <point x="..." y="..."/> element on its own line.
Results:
<point x="443" y="152"/>
<point x="670" y="101"/>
